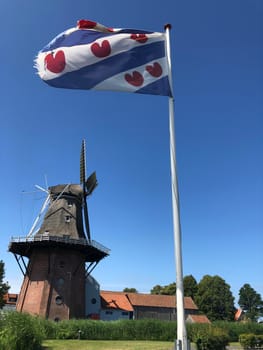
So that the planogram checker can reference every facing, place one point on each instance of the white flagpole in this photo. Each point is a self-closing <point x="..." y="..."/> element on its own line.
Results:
<point x="181" y="343"/>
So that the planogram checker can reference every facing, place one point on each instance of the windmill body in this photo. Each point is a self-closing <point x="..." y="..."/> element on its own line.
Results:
<point x="60" y="257"/>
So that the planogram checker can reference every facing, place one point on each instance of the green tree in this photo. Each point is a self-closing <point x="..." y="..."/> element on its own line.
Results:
<point x="4" y="287"/>
<point x="169" y="289"/>
<point x="215" y="299"/>
<point x="130" y="290"/>
<point x="156" y="289"/>
<point x="190" y="286"/>
<point x="251" y="302"/>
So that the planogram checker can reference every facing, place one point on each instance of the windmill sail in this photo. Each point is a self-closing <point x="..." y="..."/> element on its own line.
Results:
<point x="83" y="163"/>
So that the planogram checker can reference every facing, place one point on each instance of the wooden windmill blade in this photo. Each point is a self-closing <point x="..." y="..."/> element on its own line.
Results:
<point x="82" y="181"/>
<point x="83" y="163"/>
<point x="91" y="183"/>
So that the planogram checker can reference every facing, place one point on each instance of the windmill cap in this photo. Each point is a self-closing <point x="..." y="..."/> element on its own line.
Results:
<point x="66" y="190"/>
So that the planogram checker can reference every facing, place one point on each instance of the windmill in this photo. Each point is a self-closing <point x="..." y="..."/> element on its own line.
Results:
<point x="60" y="253"/>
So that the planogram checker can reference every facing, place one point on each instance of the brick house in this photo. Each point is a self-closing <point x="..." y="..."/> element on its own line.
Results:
<point x="10" y="300"/>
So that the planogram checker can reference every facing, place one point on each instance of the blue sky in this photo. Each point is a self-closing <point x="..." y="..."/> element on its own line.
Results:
<point x="217" y="55"/>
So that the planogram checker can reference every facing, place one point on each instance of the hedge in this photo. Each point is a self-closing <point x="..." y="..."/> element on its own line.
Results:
<point x="206" y="337"/>
<point x="112" y="330"/>
<point x="20" y="332"/>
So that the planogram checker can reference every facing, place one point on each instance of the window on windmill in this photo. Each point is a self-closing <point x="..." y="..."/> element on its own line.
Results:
<point x="67" y="218"/>
<point x="59" y="300"/>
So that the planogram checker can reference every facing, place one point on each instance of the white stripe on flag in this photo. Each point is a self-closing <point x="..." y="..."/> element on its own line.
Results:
<point x="118" y="82"/>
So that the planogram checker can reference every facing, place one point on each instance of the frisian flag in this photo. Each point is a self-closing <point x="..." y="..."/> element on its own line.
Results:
<point x="92" y="56"/>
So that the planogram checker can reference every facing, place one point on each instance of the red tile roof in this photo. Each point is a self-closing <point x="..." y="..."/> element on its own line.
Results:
<point x="126" y="301"/>
<point x="157" y="300"/>
<point x="115" y="300"/>
<point x="198" y="319"/>
<point x="238" y="314"/>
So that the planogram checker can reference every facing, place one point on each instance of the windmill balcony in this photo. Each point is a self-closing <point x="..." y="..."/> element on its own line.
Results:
<point x="93" y="250"/>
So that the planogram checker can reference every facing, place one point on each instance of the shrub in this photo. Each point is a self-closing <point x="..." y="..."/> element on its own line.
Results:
<point x="207" y="337"/>
<point x="251" y="341"/>
<point x="234" y="329"/>
<point x="20" y="332"/>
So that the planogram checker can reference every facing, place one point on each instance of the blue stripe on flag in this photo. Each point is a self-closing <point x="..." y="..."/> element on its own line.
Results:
<point x="159" y="87"/>
<point x="90" y="76"/>
<point x="133" y="31"/>
<point x="78" y="37"/>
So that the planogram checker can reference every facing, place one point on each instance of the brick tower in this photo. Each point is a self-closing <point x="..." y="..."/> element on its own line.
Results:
<point x="58" y="253"/>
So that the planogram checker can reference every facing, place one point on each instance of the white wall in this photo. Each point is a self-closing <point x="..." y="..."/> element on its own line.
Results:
<point x="113" y="315"/>
<point x="92" y="297"/>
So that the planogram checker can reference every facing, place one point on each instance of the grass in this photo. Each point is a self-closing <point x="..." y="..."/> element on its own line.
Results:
<point x="236" y="346"/>
<point x="115" y="345"/>
<point x="106" y="345"/>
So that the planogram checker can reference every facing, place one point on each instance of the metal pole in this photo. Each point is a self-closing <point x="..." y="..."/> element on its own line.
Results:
<point x="178" y="345"/>
<point x="181" y="327"/>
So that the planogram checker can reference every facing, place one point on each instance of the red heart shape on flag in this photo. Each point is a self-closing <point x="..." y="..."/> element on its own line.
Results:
<point x="135" y="79"/>
<point x="141" y="38"/>
<point x="101" y="50"/>
<point x="55" y="63"/>
<point x="155" y="70"/>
